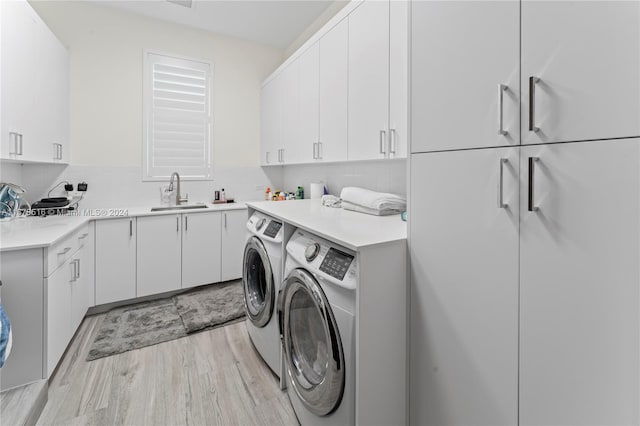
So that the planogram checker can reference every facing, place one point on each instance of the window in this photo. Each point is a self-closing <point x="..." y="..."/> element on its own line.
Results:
<point x="177" y="118"/>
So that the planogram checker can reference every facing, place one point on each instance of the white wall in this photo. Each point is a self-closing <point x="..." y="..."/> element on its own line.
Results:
<point x="106" y="54"/>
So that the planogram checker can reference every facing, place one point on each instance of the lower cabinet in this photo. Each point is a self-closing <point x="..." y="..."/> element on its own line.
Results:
<point x="158" y="254"/>
<point x="115" y="273"/>
<point x="525" y="285"/>
<point x="234" y="236"/>
<point x="201" y="248"/>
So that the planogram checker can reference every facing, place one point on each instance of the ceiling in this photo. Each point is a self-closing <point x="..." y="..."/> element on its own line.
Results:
<point x="275" y="23"/>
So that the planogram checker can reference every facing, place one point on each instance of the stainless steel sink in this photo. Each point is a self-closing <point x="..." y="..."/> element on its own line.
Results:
<point x="183" y="207"/>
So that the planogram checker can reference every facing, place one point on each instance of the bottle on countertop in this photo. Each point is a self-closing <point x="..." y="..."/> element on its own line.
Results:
<point x="300" y="193"/>
<point x="267" y="194"/>
<point x="281" y="197"/>
<point x="223" y="196"/>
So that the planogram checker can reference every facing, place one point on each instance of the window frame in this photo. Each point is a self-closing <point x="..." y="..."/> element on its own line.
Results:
<point x="147" y="122"/>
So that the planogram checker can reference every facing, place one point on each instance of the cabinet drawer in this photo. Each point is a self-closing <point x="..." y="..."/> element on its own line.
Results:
<point x="58" y="253"/>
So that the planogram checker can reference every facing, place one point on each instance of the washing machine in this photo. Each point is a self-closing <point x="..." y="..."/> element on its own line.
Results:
<point x="317" y="309"/>
<point x="261" y="276"/>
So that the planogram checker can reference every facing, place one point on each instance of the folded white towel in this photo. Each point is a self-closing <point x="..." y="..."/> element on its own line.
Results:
<point x="331" y="201"/>
<point x="379" y="201"/>
<point x="356" y="208"/>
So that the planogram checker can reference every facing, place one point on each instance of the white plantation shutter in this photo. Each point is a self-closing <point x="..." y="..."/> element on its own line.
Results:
<point x="177" y="97"/>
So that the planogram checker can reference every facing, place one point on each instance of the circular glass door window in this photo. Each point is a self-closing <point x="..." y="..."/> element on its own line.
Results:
<point x="258" y="283"/>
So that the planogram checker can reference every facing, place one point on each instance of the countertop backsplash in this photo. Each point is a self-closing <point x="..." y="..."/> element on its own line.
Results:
<point x="121" y="186"/>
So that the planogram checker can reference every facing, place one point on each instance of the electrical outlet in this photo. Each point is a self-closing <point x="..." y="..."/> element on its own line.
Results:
<point x="75" y="194"/>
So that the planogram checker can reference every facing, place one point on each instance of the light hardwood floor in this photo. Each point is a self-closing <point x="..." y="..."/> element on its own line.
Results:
<point x="209" y="378"/>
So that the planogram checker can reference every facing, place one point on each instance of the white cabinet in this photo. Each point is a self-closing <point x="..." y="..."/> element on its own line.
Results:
<point x="305" y="148"/>
<point x="115" y="266"/>
<point x="465" y="74"/>
<point x="200" y="249"/>
<point x="35" y="88"/>
<point x="464" y="288"/>
<point x="158" y="254"/>
<point x="586" y="55"/>
<point x="234" y="236"/>
<point x="290" y="121"/>
<point x="368" y="105"/>
<point x="333" y="83"/>
<point x="541" y="293"/>
<point x="271" y="122"/>
<point x="67" y="289"/>
<point x="398" y="78"/>
<point x="59" y="314"/>
<point x="579" y="284"/>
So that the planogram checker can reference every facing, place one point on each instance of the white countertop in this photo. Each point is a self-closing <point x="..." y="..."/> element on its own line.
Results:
<point x="350" y="229"/>
<point x="34" y="232"/>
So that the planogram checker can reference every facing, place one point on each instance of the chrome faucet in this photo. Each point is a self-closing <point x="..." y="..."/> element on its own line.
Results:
<point x="179" y="199"/>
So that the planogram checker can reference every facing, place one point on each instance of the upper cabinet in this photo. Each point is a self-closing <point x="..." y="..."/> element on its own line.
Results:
<point x="575" y="77"/>
<point x="465" y="74"/>
<point x="580" y="70"/>
<point x="343" y="96"/>
<point x="334" y="71"/>
<point x="368" y="81"/>
<point x="34" y="88"/>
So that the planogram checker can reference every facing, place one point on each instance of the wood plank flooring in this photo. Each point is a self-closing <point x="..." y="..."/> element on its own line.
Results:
<point x="23" y="405"/>
<point x="210" y="378"/>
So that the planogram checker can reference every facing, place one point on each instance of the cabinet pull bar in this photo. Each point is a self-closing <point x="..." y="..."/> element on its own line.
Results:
<point x="501" y="203"/>
<point x="315" y="157"/>
<point x="266" y="157"/>
<point x="186" y="223"/>
<point x="65" y="251"/>
<point x="501" y="89"/>
<point x="319" y="150"/>
<point x="13" y="139"/>
<point x="532" y="103"/>
<point x="73" y="270"/>
<point x="383" y="137"/>
<point x="531" y="206"/>
<point x="177" y="223"/>
<point x="392" y="142"/>
<point x="131" y="227"/>
<point x="225" y="221"/>
<point x="77" y="268"/>
<point x="20" y="144"/>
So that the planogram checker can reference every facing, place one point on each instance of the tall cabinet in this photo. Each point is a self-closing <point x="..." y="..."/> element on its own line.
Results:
<point x="525" y="276"/>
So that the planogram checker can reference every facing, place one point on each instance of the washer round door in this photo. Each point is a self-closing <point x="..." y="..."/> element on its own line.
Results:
<point x="257" y="277"/>
<point x="312" y="344"/>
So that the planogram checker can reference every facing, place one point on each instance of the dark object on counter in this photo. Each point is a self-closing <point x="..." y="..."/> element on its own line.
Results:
<point x="216" y="196"/>
<point x="300" y="193"/>
<point x="50" y="206"/>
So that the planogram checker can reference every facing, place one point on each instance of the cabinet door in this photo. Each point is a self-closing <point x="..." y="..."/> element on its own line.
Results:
<point x="158" y="254"/>
<point x="290" y="119"/>
<point x="52" y="107"/>
<point x="464" y="288"/>
<point x="461" y="52"/>
<point x="58" y="313"/>
<point x="200" y="249"/>
<point x="579" y="329"/>
<point x="115" y="260"/>
<point x="234" y="236"/>
<point x="82" y="294"/>
<point x="19" y="49"/>
<point x="368" y="80"/>
<point x="587" y="57"/>
<point x="309" y="69"/>
<point x="334" y="71"/>
<point x="271" y="103"/>
<point x="398" y="77"/>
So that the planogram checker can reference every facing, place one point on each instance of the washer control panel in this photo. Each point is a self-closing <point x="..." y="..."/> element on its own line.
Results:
<point x="272" y="229"/>
<point x="336" y="263"/>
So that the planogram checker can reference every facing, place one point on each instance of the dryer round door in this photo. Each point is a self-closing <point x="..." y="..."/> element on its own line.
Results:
<point x="312" y="344"/>
<point x="257" y="277"/>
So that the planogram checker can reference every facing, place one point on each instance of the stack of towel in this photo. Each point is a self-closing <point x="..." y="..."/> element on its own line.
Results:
<point x="6" y="339"/>
<point x="371" y="202"/>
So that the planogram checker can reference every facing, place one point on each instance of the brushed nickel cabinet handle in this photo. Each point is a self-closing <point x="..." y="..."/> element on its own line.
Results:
<point x="532" y="103"/>
<point x="531" y="202"/>
<point x="501" y="203"/>
<point x="383" y="140"/>
<point x="501" y="89"/>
